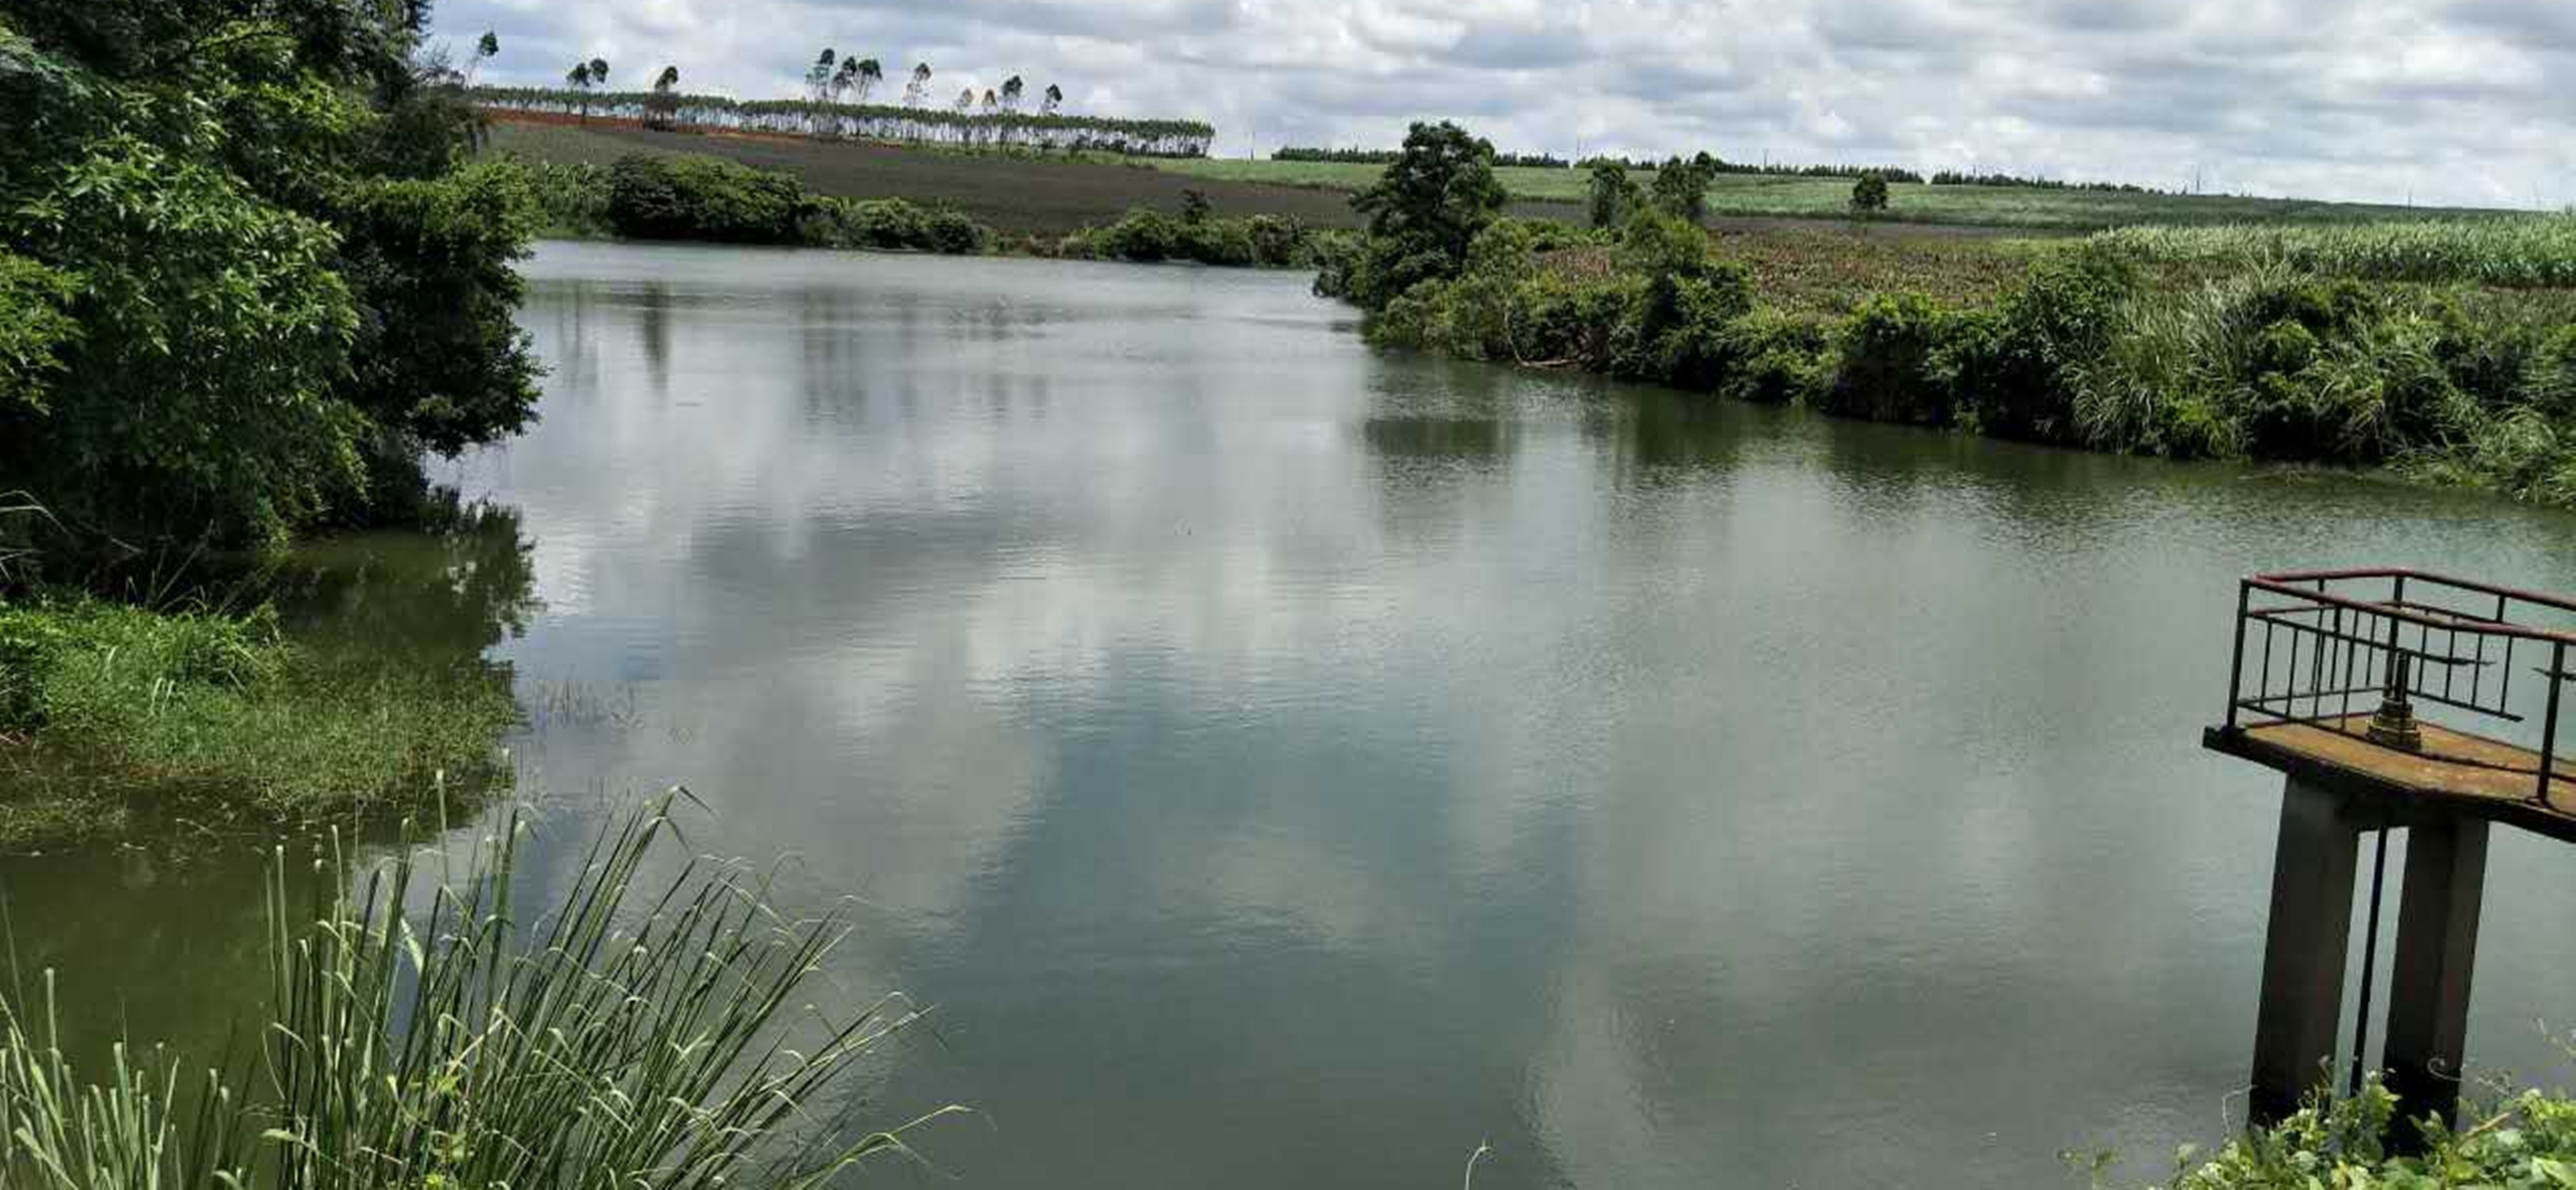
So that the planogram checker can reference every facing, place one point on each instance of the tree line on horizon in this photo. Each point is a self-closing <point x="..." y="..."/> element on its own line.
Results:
<point x="834" y="104"/>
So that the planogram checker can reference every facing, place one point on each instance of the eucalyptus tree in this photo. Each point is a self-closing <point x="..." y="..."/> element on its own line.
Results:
<point x="1054" y="100"/>
<point x="584" y="81"/>
<point x="485" y="49"/>
<point x="663" y="104"/>
<point x="919" y="89"/>
<point x="870" y="73"/>
<point x="818" y="77"/>
<point x="992" y="102"/>
<point x="1011" y="90"/>
<point x="966" y="100"/>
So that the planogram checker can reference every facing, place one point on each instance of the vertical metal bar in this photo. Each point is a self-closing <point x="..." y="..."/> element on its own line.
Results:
<point x="2236" y="663"/>
<point x="2450" y="649"/>
<point x="2549" y="728"/>
<point x="2265" y="690"/>
<point x="2369" y="960"/>
<point x="2343" y="681"/>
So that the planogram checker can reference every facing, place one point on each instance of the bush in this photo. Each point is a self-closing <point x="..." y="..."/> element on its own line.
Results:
<point x="2527" y="1141"/>
<point x="954" y="234"/>
<point x="1776" y="358"/>
<point x="2022" y="383"/>
<point x="702" y="198"/>
<point x="1690" y="296"/>
<point x="1892" y="361"/>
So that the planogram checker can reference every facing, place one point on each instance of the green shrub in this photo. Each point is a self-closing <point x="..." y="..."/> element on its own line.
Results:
<point x="953" y="233"/>
<point x="1776" y="358"/>
<point x="2526" y="1141"/>
<point x="1690" y="295"/>
<point x="1223" y="242"/>
<point x="703" y="198"/>
<point x="2020" y="381"/>
<point x="1890" y="361"/>
<point x="1142" y="236"/>
<point x="1277" y="241"/>
<point x="571" y="199"/>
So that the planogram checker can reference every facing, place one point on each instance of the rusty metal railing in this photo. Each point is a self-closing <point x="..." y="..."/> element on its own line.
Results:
<point x="2356" y="651"/>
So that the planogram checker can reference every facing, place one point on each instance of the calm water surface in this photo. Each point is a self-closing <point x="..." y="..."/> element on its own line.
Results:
<point x="1284" y="764"/>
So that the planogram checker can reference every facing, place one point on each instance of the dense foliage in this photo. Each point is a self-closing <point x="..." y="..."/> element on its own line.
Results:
<point x="2527" y="1142"/>
<point x="1422" y="215"/>
<point x="679" y="197"/>
<point x="826" y="118"/>
<point x="1146" y="237"/>
<point x="2281" y="346"/>
<point x="244" y="277"/>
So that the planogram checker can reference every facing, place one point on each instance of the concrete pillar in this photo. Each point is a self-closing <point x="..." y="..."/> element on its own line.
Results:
<point x="2303" y="949"/>
<point x="2428" y="988"/>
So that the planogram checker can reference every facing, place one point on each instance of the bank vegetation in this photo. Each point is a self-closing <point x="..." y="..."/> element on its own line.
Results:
<point x="2438" y="350"/>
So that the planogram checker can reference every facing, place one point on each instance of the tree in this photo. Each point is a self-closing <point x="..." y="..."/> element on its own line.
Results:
<point x="818" y="77"/>
<point x="1195" y="208"/>
<point x="1054" y="100"/>
<point x="662" y="107"/>
<point x="582" y="80"/>
<point x="486" y="48"/>
<point x="1680" y="188"/>
<point x="1614" y="195"/>
<point x="919" y="89"/>
<point x="1423" y="212"/>
<point x="870" y="73"/>
<point x="992" y="103"/>
<point x="1869" y="194"/>
<point x="1011" y="89"/>
<point x="289" y="283"/>
<point x="966" y="99"/>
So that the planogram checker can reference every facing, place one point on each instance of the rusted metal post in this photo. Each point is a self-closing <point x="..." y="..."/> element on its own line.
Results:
<point x="2303" y="949"/>
<point x="2428" y="984"/>
<point x="2549" y="722"/>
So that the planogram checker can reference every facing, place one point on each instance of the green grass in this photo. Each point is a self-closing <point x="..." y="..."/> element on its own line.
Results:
<point x="1785" y="196"/>
<point x="124" y="702"/>
<point x="623" y="1037"/>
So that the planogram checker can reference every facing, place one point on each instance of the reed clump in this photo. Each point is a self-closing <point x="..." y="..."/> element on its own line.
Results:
<point x="634" y="1034"/>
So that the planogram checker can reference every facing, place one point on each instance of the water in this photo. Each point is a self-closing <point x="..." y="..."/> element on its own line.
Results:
<point x="1287" y="765"/>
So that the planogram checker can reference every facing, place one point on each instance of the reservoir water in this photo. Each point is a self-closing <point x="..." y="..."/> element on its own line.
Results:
<point x="1283" y="763"/>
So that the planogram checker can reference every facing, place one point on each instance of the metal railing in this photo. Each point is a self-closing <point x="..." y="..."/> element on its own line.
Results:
<point x="2355" y="651"/>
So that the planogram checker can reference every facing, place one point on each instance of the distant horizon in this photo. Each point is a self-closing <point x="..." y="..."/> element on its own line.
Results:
<point x="2428" y="102"/>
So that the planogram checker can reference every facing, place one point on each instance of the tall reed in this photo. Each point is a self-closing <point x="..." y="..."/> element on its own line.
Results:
<point x="625" y="1038"/>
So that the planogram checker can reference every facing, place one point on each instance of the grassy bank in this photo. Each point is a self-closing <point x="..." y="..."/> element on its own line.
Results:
<point x="628" y="1034"/>
<point x="106" y="706"/>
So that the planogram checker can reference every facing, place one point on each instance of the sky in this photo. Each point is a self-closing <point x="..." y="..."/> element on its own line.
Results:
<point x="2428" y="101"/>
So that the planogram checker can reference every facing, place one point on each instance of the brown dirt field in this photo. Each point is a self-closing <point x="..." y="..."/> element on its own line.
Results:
<point x="1019" y="195"/>
<point x="1026" y="195"/>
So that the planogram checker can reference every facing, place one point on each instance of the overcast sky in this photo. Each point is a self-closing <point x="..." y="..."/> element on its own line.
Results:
<point x="2446" y="101"/>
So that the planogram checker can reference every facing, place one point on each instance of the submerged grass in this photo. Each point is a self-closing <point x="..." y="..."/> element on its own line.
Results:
<point x="625" y="1037"/>
<point x="197" y="703"/>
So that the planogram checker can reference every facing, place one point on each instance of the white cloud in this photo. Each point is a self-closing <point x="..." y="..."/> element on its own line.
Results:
<point x="2443" y="100"/>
